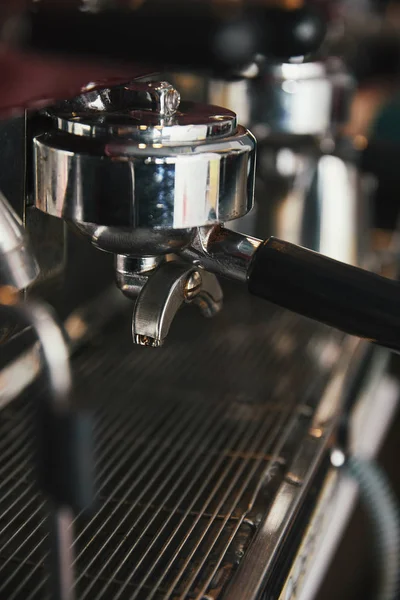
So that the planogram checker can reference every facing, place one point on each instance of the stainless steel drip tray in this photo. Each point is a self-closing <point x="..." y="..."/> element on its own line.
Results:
<point x="192" y="443"/>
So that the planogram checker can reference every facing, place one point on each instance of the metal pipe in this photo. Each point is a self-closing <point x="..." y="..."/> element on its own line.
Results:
<point x="56" y="362"/>
<point x="18" y="267"/>
<point x="222" y="251"/>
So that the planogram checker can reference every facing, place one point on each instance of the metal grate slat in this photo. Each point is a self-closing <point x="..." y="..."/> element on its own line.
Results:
<point x="192" y="442"/>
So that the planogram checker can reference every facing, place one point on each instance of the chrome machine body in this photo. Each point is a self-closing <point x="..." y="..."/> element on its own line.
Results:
<point x="309" y="190"/>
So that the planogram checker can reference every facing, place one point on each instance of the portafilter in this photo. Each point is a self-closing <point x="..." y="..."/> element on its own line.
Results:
<point x="152" y="180"/>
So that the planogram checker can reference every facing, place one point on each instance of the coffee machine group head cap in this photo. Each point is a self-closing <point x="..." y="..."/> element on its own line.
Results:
<point x="136" y="170"/>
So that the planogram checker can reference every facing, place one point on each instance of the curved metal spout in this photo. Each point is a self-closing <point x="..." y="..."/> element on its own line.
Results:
<point x="170" y="286"/>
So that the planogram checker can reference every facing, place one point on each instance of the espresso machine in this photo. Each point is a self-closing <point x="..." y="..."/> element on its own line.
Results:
<point x="149" y="453"/>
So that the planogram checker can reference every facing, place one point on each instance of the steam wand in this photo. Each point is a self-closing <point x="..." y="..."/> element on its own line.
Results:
<point x="64" y="436"/>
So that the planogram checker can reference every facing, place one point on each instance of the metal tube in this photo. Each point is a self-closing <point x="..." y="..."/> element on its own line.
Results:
<point x="222" y="251"/>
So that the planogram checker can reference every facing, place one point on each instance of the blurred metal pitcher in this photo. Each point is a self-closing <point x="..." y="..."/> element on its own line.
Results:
<point x="309" y="189"/>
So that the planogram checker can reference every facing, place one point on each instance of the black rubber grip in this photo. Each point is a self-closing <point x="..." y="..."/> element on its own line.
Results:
<point x="353" y="300"/>
<point x="65" y="457"/>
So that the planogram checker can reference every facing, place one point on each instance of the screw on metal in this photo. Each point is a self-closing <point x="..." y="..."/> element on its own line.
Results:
<point x="145" y="340"/>
<point x="192" y="286"/>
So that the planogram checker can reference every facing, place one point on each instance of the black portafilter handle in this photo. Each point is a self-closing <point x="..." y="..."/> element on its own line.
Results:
<point x="353" y="300"/>
<point x="172" y="34"/>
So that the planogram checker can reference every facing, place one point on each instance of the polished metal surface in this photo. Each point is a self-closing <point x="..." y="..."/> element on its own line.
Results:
<point x="222" y="251"/>
<point x="131" y="274"/>
<point x="356" y="301"/>
<point x="52" y="347"/>
<point x="343" y="214"/>
<point x="309" y="190"/>
<point x="270" y="538"/>
<point x="295" y="98"/>
<point x="33" y="242"/>
<point x="299" y="100"/>
<point x="130" y="168"/>
<point x="175" y="187"/>
<point x="167" y="98"/>
<point x="164" y="98"/>
<point x="193" y="123"/>
<point x="303" y="98"/>
<point x="139" y="242"/>
<point x="171" y="285"/>
<point x="315" y="199"/>
<point x="18" y="268"/>
<point x="193" y="447"/>
<point x="46" y="237"/>
<point x="48" y="240"/>
<point x="148" y="112"/>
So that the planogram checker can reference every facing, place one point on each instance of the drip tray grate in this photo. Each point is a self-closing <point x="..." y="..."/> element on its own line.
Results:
<point x="192" y="442"/>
